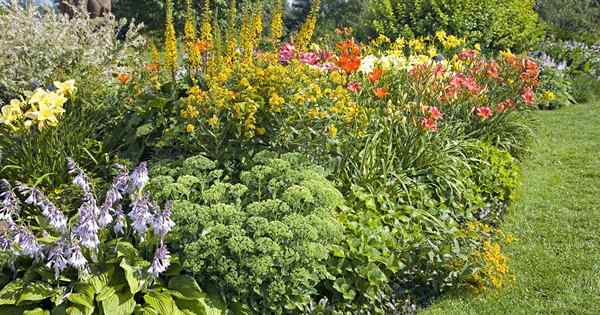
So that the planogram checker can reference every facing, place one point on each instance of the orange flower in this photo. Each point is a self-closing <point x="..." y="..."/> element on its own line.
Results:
<point x="349" y="47"/>
<point x="375" y="75"/>
<point x="201" y="46"/>
<point x="429" y="123"/>
<point x="484" y="112"/>
<point x="492" y="70"/>
<point x="153" y="67"/>
<point x="380" y="92"/>
<point x="349" y="63"/>
<point x="123" y="78"/>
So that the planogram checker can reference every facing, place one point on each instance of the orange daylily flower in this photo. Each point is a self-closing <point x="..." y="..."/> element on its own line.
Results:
<point x="123" y="78"/>
<point x="375" y="75"/>
<point x="380" y="92"/>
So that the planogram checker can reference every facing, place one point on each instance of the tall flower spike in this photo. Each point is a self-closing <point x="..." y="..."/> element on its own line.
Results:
<point x="35" y="197"/>
<point x="87" y="227"/>
<point x="277" y="23"/>
<point x="161" y="261"/>
<point x="27" y="242"/>
<point x="9" y="203"/>
<point x="57" y="257"/>
<point x="189" y="30"/>
<point x="170" y="40"/>
<point x="162" y="222"/>
<point x="114" y="195"/>
<point x="139" y="177"/>
<point x="307" y="29"/>
<point x="140" y="215"/>
<point x="119" y="227"/>
<point x="76" y="258"/>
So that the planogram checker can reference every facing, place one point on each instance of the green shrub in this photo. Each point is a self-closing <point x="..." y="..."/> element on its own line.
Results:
<point x="571" y="19"/>
<point x="495" y="24"/>
<point x="555" y="89"/>
<point x="585" y="87"/>
<point x="263" y="241"/>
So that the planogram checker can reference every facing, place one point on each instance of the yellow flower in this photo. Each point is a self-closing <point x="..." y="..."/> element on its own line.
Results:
<point x="332" y="131"/>
<point x="213" y="121"/>
<point x="54" y="100"/>
<point x="66" y="88"/>
<point x="190" y="128"/>
<point x="549" y="96"/>
<point x="261" y="131"/>
<point x="37" y="96"/>
<point x="440" y="35"/>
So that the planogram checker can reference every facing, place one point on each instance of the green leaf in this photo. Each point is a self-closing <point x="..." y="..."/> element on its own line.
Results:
<point x="188" y="286"/>
<point x="36" y="291"/>
<point x="37" y="311"/>
<point x="81" y="299"/>
<point x="10" y="293"/>
<point x="161" y="303"/>
<point x="144" y="130"/>
<point x="12" y="310"/>
<point x="99" y="282"/>
<point x="132" y="275"/>
<point x="121" y="303"/>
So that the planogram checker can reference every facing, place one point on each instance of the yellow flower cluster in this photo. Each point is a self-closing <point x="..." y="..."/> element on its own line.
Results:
<point x="170" y="40"/>
<point x="305" y="33"/>
<point x="449" y="41"/>
<point x="206" y="29"/>
<point x="189" y="30"/>
<point x="43" y="108"/>
<point x="277" y="23"/>
<point x="549" y="96"/>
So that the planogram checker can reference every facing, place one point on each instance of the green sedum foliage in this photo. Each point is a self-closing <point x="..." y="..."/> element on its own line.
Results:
<point x="263" y="240"/>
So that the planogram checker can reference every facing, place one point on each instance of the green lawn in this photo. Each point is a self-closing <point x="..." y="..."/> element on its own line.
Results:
<point x="556" y="221"/>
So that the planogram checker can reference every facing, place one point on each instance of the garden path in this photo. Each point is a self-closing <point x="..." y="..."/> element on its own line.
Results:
<point x="556" y="223"/>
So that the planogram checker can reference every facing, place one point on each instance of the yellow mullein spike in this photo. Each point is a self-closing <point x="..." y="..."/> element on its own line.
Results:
<point x="277" y="23"/>
<point x="206" y="30"/>
<point x="190" y="38"/>
<point x="170" y="40"/>
<point x="305" y="33"/>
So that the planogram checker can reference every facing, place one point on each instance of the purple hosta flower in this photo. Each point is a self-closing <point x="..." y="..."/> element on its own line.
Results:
<point x="76" y="258"/>
<point x="140" y="214"/>
<point x="114" y="195"/>
<point x="119" y="227"/>
<point x="27" y="242"/>
<point x="5" y="243"/>
<point x="162" y="221"/>
<point x="81" y="178"/>
<point x="36" y="198"/>
<point x="139" y="177"/>
<point x="309" y="58"/>
<point x="161" y="261"/>
<point x="87" y="228"/>
<point x="57" y="257"/>
<point x="286" y="53"/>
<point x="9" y="203"/>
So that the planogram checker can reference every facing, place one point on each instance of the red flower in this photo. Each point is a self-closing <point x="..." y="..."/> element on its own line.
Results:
<point x="435" y="113"/>
<point x="309" y="58"/>
<point x="375" y="75"/>
<point x="528" y="96"/>
<point x="439" y="70"/>
<point x="484" y="112"/>
<point x="429" y="123"/>
<point x="354" y="86"/>
<point x="467" y="54"/>
<point x="380" y="92"/>
<point x="503" y="106"/>
<point x="492" y="70"/>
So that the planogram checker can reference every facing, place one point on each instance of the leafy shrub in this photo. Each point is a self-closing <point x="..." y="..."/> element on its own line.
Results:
<point x="495" y="24"/>
<point x="556" y="89"/>
<point x="45" y="46"/>
<point x="263" y="241"/>
<point x="586" y="88"/>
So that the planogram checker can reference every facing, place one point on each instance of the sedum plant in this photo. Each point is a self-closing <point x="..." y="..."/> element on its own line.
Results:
<point x="262" y="241"/>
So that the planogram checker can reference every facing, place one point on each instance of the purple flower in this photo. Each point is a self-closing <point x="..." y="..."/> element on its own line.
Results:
<point x="9" y="203"/>
<point x="104" y="218"/>
<point x="36" y="198"/>
<point x="81" y="178"/>
<point x="309" y="58"/>
<point x="161" y="261"/>
<point x="27" y="242"/>
<point x="76" y="258"/>
<point x="5" y="243"/>
<point x="119" y="227"/>
<point x="87" y="227"/>
<point x="139" y="177"/>
<point x="162" y="222"/>
<point x="286" y="53"/>
<point x="140" y="214"/>
<point x="57" y="257"/>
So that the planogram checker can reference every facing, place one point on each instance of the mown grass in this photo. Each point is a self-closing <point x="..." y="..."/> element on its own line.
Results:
<point x="556" y="222"/>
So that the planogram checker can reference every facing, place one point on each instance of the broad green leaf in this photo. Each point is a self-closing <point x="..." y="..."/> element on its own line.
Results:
<point x="37" y="311"/>
<point x="133" y="277"/>
<point x="121" y="303"/>
<point x="107" y="292"/>
<point x="36" y="291"/>
<point x="161" y="303"/>
<point x="79" y="310"/>
<point x="187" y="286"/>
<point x="12" y="310"/>
<point x="10" y="293"/>
<point x="81" y="299"/>
<point x="99" y="282"/>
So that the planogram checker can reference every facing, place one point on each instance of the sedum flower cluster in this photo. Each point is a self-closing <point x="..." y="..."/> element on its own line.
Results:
<point x="76" y="245"/>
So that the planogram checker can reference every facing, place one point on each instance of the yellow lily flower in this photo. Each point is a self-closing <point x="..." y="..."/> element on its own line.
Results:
<point x="66" y="88"/>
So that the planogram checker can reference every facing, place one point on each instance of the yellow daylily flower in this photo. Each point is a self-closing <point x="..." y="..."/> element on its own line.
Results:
<point x="66" y="88"/>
